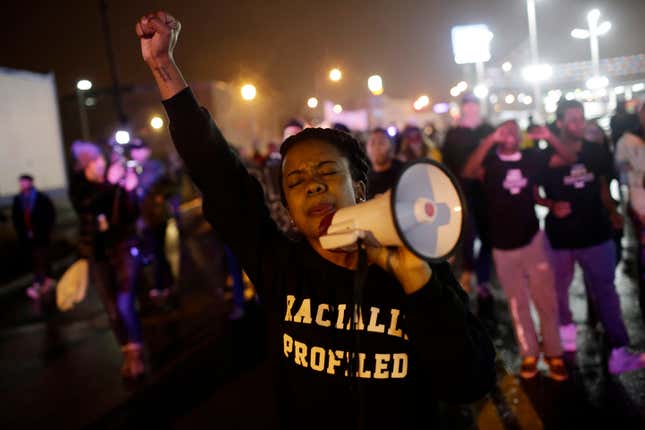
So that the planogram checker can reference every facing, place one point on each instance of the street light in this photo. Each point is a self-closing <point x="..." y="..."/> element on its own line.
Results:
<point x="481" y="91"/>
<point x="248" y="92"/>
<point x="375" y="85"/>
<point x="82" y="86"/>
<point x="595" y="29"/>
<point x="122" y="137"/>
<point x="535" y="56"/>
<point x="312" y="102"/>
<point x="335" y="75"/>
<point x="156" y="122"/>
<point x="337" y="109"/>
<point x="507" y="66"/>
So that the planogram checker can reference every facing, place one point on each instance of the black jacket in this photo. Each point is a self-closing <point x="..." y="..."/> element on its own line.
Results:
<point x="414" y="348"/>
<point x="119" y="207"/>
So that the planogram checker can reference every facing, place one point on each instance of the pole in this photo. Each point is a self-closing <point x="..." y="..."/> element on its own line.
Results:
<point x="481" y="75"/>
<point x="593" y="41"/>
<point x="116" y="91"/>
<point x="85" y="125"/>
<point x="535" y="58"/>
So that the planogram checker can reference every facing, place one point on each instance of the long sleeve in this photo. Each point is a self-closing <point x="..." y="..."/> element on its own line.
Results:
<point x="233" y="200"/>
<point x="450" y="344"/>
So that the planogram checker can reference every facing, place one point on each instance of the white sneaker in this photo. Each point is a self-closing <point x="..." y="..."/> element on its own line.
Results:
<point x="568" y="337"/>
<point x="622" y="360"/>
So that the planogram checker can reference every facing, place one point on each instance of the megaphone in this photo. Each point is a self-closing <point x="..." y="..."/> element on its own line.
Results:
<point x="423" y="212"/>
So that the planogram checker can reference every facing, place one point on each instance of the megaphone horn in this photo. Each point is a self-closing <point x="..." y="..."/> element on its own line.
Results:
<point x="423" y="212"/>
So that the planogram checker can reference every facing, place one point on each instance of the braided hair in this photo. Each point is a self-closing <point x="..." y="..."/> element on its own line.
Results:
<point x="349" y="148"/>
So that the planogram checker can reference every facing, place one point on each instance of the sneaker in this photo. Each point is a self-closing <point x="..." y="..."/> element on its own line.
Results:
<point x="557" y="369"/>
<point x="133" y="366"/>
<point x="622" y="360"/>
<point x="568" y="337"/>
<point x="34" y="292"/>
<point x="529" y="367"/>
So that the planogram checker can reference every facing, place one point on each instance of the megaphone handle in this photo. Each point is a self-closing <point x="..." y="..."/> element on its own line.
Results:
<point x="359" y="284"/>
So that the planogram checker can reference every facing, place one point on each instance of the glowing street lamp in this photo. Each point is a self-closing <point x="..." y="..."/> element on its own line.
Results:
<point x="335" y="75"/>
<point x="337" y="109"/>
<point x="595" y="30"/>
<point x="84" y="85"/>
<point x="480" y="91"/>
<point x="156" y="122"/>
<point x="375" y="85"/>
<point x="122" y="137"/>
<point x="248" y="92"/>
<point x="312" y="102"/>
<point x="507" y="66"/>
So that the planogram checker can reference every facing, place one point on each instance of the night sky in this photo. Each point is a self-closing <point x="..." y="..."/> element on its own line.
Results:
<point x="288" y="45"/>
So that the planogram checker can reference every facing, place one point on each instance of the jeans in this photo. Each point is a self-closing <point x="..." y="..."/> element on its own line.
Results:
<point x="116" y="279"/>
<point x="598" y="264"/>
<point x="526" y="276"/>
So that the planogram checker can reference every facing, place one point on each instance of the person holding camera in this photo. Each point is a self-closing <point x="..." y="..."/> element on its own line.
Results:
<point x="419" y="342"/>
<point x="107" y="209"/>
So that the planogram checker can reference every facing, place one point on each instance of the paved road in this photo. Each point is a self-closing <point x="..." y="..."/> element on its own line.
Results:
<point x="62" y="370"/>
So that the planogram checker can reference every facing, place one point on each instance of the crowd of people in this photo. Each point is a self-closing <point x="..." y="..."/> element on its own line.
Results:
<point x="268" y="210"/>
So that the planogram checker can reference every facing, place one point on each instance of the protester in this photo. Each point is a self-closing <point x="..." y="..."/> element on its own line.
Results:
<point x="630" y="159"/>
<point x="385" y="169"/>
<point x="520" y="250"/>
<point x="622" y="121"/>
<point x="419" y="343"/>
<point x="153" y="194"/>
<point x="107" y="209"/>
<point x="579" y="228"/>
<point x="414" y="146"/>
<point x="34" y="216"/>
<point x="460" y="142"/>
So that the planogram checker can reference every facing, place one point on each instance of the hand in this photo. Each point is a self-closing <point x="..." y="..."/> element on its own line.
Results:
<point x="131" y="181"/>
<point x="617" y="220"/>
<point x="561" y="209"/>
<point x="411" y="271"/>
<point x="158" y="33"/>
<point x="540" y="132"/>
<point x="495" y="137"/>
<point x="115" y="173"/>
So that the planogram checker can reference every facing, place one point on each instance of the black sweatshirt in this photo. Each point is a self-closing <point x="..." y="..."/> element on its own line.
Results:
<point x="415" y="348"/>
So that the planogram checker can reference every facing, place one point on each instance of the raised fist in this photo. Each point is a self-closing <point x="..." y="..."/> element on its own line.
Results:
<point x="158" y="32"/>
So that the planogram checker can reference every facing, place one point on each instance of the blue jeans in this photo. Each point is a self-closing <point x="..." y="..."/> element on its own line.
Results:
<point x="116" y="279"/>
<point x="598" y="264"/>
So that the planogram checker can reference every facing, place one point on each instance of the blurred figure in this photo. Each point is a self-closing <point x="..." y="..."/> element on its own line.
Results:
<point x="385" y="169"/>
<point x="579" y="227"/>
<point x="414" y="146"/>
<point x="153" y="193"/>
<point x="520" y="249"/>
<point x="594" y="133"/>
<point x="34" y="217"/>
<point x="622" y="121"/>
<point x="630" y="158"/>
<point x="107" y="208"/>
<point x="460" y="142"/>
